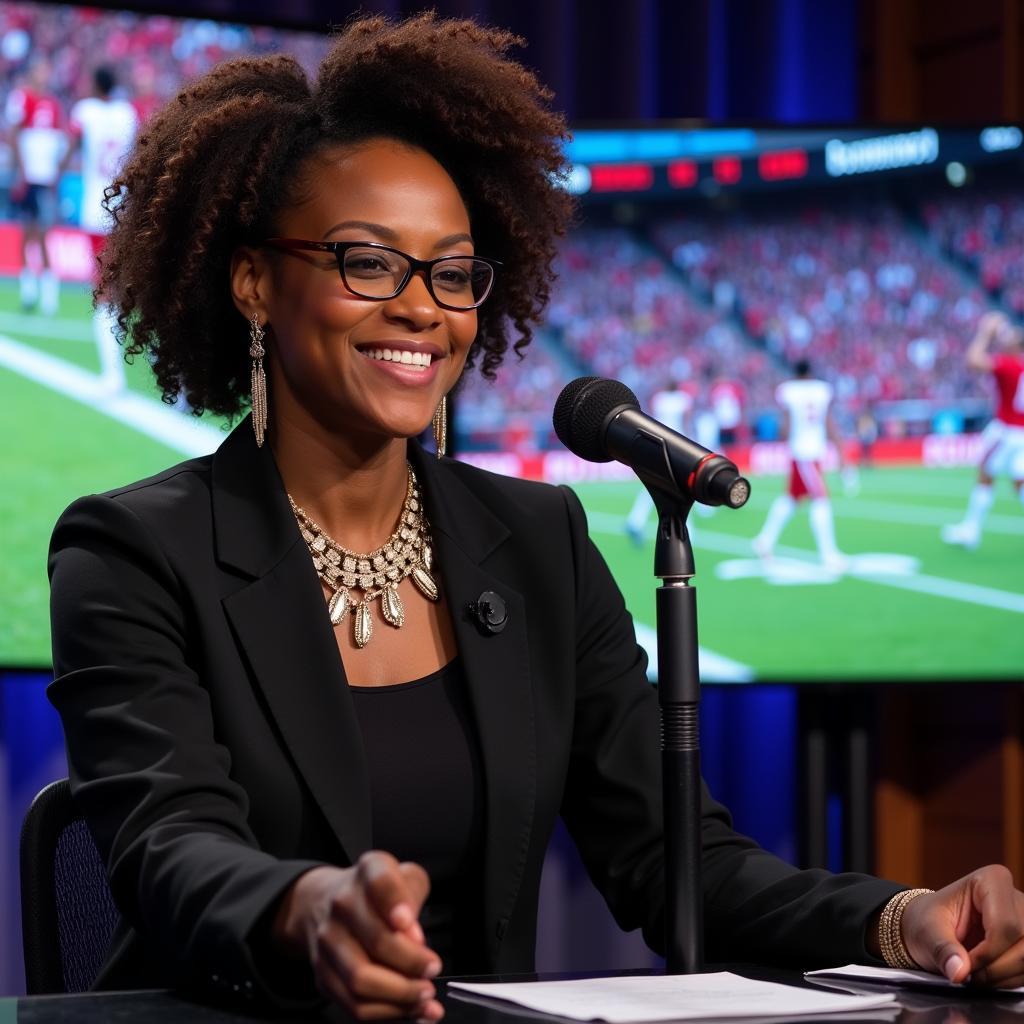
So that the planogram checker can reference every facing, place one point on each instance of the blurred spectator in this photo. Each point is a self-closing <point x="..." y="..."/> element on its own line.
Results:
<point x="39" y="144"/>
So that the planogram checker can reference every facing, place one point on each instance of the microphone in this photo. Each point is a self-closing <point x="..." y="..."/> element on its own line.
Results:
<point x="600" y="420"/>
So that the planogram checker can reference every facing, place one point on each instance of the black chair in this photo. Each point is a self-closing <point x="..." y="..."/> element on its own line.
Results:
<point x="67" y="912"/>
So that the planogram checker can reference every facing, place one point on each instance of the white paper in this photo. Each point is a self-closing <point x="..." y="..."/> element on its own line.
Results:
<point x="633" y="999"/>
<point x="894" y="976"/>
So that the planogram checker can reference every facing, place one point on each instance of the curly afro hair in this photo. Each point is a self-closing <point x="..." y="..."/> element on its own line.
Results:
<point x="218" y="163"/>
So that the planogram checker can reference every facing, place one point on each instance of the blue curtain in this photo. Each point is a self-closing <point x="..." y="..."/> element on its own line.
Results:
<point x="764" y="60"/>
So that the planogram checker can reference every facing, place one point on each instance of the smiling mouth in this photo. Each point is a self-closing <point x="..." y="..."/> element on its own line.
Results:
<point x="414" y="360"/>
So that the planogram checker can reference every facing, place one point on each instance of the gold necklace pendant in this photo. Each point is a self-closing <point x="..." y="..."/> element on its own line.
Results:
<point x="391" y="607"/>
<point x="424" y="582"/>
<point x="340" y="604"/>
<point x="363" y="628"/>
<point x="406" y="553"/>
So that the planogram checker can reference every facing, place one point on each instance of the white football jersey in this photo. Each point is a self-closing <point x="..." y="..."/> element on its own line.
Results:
<point x="807" y="403"/>
<point x="108" y="129"/>
<point x="670" y="408"/>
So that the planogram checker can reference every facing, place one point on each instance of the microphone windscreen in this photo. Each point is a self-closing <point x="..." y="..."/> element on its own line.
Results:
<point x="581" y="411"/>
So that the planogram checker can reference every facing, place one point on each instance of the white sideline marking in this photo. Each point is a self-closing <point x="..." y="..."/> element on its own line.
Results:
<point x="38" y="326"/>
<point x="909" y="514"/>
<point x="970" y="592"/>
<point x="921" y="515"/>
<point x="936" y="586"/>
<point x="155" y="420"/>
<point x="896" y="481"/>
<point x="788" y="572"/>
<point x="714" y="668"/>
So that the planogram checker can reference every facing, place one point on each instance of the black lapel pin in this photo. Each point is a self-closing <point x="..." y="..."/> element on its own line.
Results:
<point x="490" y="612"/>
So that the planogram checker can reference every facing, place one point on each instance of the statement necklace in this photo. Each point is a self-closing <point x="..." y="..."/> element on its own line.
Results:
<point x="407" y="552"/>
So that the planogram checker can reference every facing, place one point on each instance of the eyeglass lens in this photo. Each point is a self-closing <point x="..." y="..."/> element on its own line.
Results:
<point x="460" y="281"/>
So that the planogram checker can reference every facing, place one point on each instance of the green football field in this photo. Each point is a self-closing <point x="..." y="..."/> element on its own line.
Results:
<point x="60" y="442"/>
<point x="908" y="606"/>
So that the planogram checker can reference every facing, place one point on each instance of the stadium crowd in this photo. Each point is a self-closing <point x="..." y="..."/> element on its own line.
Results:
<point x="623" y="312"/>
<point x="987" y="232"/>
<point x="150" y="57"/>
<point x="858" y="293"/>
<point x="513" y="410"/>
<point x="861" y="293"/>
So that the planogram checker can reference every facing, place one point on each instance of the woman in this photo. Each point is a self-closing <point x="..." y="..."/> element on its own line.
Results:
<point x="293" y="702"/>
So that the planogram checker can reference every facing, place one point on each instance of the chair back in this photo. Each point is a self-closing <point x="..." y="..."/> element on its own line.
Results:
<point x="68" y="915"/>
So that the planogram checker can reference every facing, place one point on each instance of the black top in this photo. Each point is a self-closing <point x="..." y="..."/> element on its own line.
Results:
<point x="425" y="796"/>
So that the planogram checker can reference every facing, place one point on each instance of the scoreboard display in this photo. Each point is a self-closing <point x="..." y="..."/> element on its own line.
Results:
<point x="672" y="162"/>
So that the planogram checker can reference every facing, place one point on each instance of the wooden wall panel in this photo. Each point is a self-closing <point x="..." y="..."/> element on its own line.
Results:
<point x="952" y="24"/>
<point x="961" y="84"/>
<point x="950" y="790"/>
<point x="941" y="60"/>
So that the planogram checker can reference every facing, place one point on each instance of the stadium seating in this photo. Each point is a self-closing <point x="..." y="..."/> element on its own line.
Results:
<point x="987" y="232"/>
<point x="857" y="292"/>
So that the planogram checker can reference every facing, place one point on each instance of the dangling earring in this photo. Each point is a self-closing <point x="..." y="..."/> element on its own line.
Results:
<point x="259" y="380"/>
<point x="440" y="425"/>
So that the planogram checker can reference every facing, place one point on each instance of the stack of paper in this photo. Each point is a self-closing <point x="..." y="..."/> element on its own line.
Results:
<point x="892" y="976"/>
<point x="630" y="1000"/>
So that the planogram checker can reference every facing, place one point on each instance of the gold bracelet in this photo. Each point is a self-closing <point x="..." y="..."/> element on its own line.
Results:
<point x="890" y="930"/>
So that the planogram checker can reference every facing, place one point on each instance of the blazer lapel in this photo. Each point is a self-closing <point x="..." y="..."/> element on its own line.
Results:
<point x="282" y="624"/>
<point x="466" y="533"/>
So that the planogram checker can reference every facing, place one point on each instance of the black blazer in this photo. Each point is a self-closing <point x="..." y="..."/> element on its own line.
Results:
<point x="215" y="753"/>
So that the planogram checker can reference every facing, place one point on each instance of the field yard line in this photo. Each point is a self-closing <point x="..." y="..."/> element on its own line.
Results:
<point x="920" y="515"/>
<point x="62" y="328"/>
<point x="144" y="415"/>
<point x="940" y="587"/>
<point x="937" y="586"/>
<point x="922" y="484"/>
<point x="713" y="667"/>
<point x="909" y="514"/>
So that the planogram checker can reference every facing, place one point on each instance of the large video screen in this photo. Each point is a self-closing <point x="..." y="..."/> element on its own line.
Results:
<point x="75" y="419"/>
<point x="706" y="265"/>
<point x="805" y="302"/>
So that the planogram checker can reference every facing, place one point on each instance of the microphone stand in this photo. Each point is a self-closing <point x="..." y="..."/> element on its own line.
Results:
<point x="679" y="698"/>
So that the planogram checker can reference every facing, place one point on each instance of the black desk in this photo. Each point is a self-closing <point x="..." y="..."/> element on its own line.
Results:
<point x="158" y="1007"/>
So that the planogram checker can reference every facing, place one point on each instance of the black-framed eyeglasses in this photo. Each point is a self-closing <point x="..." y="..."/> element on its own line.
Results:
<point x="373" y="270"/>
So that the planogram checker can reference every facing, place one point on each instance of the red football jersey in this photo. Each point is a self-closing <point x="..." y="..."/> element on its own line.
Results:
<point x="1008" y="371"/>
<point x="27" y="109"/>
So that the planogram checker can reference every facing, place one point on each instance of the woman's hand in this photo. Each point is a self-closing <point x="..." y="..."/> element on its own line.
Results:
<point x="973" y="929"/>
<point x="359" y="928"/>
